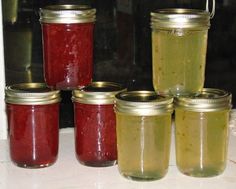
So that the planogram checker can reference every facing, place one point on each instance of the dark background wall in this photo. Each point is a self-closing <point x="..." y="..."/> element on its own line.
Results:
<point x="122" y="43"/>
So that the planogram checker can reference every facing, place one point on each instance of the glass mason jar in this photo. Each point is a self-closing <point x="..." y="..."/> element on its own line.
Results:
<point x="67" y="34"/>
<point x="201" y="132"/>
<point x="33" y="121"/>
<point x="95" y="124"/>
<point x="143" y="129"/>
<point x="179" y="45"/>
<point x="10" y="10"/>
<point x="18" y="42"/>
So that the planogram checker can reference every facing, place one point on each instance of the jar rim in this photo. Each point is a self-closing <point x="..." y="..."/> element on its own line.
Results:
<point x="31" y="94"/>
<point x="143" y="103"/>
<point x="67" y="14"/>
<point x="99" y="92"/>
<point x="180" y="18"/>
<point x="209" y="99"/>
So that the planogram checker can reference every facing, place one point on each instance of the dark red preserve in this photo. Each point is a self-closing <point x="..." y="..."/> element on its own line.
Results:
<point x="67" y="34"/>
<point x="33" y="121"/>
<point x="95" y="125"/>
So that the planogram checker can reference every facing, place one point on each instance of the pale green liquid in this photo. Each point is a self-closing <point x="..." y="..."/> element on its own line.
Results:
<point x="201" y="142"/>
<point x="178" y="61"/>
<point x="143" y="146"/>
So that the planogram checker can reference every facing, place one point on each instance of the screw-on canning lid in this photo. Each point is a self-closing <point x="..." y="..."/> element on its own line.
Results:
<point x="31" y="94"/>
<point x="180" y="18"/>
<point x="67" y="14"/>
<point x="143" y="103"/>
<point x="97" y="93"/>
<point x="208" y="100"/>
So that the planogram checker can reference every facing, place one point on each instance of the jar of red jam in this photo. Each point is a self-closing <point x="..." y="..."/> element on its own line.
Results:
<point x="67" y="35"/>
<point x="33" y="121"/>
<point x="95" y="125"/>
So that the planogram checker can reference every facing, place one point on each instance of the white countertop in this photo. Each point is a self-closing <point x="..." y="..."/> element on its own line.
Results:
<point x="67" y="173"/>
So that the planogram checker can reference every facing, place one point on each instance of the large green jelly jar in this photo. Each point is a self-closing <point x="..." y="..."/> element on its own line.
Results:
<point x="143" y="126"/>
<point x="201" y="132"/>
<point x="179" y="46"/>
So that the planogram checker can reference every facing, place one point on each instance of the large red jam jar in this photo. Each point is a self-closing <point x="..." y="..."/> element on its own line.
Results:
<point x="33" y="121"/>
<point x="95" y="124"/>
<point x="67" y="36"/>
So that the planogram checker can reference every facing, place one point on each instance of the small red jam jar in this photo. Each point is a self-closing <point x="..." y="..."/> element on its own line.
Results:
<point x="95" y="124"/>
<point x="33" y="121"/>
<point x="67" y="35"/>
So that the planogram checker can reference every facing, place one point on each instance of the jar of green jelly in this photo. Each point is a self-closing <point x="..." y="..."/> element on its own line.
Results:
<point x="179" y="46"/>
<point x="201" y="132"/>
<point x="143" y="126"/>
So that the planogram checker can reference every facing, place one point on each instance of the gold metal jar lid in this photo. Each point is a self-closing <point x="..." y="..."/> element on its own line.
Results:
<point x="67" y="14"/>
<point x="31" y="94"/>
<point x="180" y="18"/>
<point x="208" y="100"/>
<point x="97" y="93"/>
<point x="143" y="103"/>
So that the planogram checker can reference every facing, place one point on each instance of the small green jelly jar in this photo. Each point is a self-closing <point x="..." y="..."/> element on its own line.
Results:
<point x="201" y="132"/>
<point x="143" y="127"/>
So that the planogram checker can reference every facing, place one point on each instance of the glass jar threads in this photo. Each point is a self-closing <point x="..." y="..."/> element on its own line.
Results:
<point x="95" y="124"/>
<point x="67" y="34"/>
<point x="179" y="45"/>
<point x="143" y="121"/>
<point x="202" y="132"/>
<point x="33" y="121"/>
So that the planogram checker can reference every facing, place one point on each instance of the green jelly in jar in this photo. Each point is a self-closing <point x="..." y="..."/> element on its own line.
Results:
<point x="201" y="132"/>
<point x="179" y="46"/>
<point x="143" y="121"/>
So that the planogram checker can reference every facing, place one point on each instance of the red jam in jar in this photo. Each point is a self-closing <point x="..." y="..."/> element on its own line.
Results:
<point x="95" y="124"/>
<point x="67" y="34"/>
<point x="33" y="121"/>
